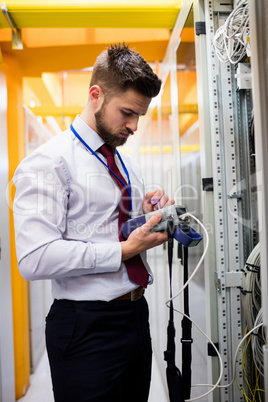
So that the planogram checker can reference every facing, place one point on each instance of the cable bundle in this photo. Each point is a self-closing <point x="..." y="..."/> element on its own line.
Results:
<point x="251" y="287"/>
<point x="258" y="340"/>
<point x="231" y="39"/>
<point x="252" y="312"/>
<point x="250" y="281"/>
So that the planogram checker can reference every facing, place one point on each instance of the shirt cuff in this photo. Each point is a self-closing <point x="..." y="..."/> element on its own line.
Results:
<point x="108" y="257"/>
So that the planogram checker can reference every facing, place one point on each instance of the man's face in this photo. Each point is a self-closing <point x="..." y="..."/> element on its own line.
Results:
<point x="118" y="118"/>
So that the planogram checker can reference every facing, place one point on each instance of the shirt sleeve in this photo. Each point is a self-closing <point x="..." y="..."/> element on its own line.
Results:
<point x="40" y="213"/>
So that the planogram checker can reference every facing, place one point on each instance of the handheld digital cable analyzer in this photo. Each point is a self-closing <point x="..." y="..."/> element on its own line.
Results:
<point x="183" y="233"/>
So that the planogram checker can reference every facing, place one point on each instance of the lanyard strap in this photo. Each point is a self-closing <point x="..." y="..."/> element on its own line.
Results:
<point x="174" y="377"/>
<point x="128" y="187"/>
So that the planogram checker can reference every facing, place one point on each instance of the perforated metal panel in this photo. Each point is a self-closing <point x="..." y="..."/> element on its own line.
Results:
<point x="226" y="199"/>
<point x="259" y="30"/>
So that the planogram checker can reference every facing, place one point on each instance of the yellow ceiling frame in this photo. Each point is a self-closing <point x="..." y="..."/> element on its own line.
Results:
<point x="82" y="13"/>
<point x="56" y="111"/>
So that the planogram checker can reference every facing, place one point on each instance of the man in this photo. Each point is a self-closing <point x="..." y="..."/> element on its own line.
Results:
<point x="69" y="207"/>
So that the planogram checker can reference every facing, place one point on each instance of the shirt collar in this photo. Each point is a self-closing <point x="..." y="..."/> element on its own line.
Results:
<point x="87" y="134"/>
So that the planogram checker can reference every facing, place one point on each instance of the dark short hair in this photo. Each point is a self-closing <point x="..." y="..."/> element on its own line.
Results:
<point x="119" y="68"/>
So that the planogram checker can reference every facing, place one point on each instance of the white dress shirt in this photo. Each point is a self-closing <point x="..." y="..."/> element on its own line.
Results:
<point x="66" y="218"/>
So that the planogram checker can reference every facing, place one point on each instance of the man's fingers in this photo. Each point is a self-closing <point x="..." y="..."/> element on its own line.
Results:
<point x="145" y="238"/>
<point x="154" y="196"/>
<point x="170" y="202"/>
<point x="154" y="220"/>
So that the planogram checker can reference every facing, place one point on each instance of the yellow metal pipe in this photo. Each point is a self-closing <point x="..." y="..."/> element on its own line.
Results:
<point x="56" y="111"/>
<point x="15" y="123"/>
<point x="52" y="110"/>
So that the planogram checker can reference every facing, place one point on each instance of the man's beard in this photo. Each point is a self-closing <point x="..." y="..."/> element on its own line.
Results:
<point x="110" y="139"/>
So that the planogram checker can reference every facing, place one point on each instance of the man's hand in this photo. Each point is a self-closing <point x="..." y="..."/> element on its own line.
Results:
<point x="142" y="238"/>
<point x="152" y="198"/>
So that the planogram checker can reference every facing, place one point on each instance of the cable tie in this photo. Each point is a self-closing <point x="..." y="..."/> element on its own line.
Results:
<point x="244" y="292"/>
<point x="253" y="271"/>
<point x="253" y="266"/>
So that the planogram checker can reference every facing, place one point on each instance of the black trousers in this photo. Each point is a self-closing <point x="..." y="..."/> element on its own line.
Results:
<point x="99" y="351"/>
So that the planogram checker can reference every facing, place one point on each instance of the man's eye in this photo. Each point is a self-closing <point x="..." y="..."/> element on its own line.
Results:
<point x="125" y="113"/>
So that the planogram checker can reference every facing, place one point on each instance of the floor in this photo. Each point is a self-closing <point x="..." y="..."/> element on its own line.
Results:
<point x="40" y="389"/>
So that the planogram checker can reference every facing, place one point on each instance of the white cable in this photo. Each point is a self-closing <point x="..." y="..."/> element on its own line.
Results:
<point x="182" y="289"/>
<point x="251" y="292"/>
<point x="257" y="342"/>
<point x="216" y="385"/>
<point x="219" y="356"/>
<point x="236" y="353"/>
<point x="231" y="39"/>
<point x="254" y="254"/>
<point x="251" y="309"/>
<point x="201" y="259"/>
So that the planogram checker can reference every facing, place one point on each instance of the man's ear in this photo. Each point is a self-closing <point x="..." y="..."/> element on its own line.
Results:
<point x="96" y="96"/>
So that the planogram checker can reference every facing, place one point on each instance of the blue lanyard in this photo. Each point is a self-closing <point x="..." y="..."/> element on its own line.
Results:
<point x="105" y="164"/>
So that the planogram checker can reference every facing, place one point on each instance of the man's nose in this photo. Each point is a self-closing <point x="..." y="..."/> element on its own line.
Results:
<point x="132" y="124"/>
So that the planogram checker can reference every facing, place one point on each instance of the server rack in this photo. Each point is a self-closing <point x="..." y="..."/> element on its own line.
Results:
<point x="229" y="96"/>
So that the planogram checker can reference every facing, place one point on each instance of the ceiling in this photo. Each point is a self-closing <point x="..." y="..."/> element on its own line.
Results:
<point x="62" y="38"/>
<point x="93" y="13"/>
<point x="69" y="34"/>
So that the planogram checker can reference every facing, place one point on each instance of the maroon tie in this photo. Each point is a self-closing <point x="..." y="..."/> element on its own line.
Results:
<point x="135" y="267"/>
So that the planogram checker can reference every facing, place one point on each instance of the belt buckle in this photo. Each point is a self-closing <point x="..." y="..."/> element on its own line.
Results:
<point x="133" y="297"/>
